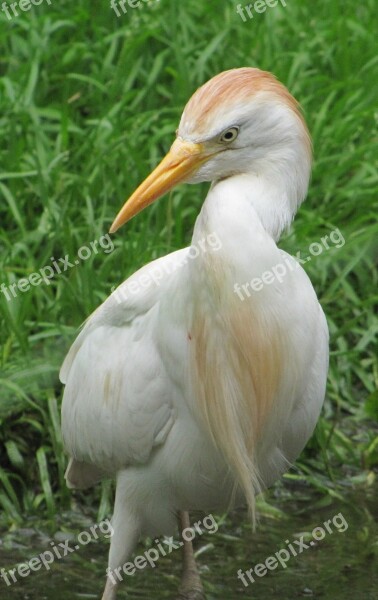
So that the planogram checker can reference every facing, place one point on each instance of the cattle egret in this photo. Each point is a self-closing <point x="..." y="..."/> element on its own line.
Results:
<point x="192" y="396"/>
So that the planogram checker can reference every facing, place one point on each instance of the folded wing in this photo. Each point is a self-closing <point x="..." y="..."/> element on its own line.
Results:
<point x="117" y="404"/>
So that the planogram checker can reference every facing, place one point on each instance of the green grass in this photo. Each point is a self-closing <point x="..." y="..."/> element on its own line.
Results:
<point x="88" y="105"/>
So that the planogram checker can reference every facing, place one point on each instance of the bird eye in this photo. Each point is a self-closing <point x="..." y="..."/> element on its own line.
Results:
<point x="230" y="135"/>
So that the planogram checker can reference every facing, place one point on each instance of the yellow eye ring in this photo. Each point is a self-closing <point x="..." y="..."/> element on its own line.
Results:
<point x="229" y="135"/>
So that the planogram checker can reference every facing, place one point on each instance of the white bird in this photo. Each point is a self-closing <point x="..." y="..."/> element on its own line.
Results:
<point x="200" y="379"/>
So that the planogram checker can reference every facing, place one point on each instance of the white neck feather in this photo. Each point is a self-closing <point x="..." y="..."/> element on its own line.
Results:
<point x="275" y="189"/>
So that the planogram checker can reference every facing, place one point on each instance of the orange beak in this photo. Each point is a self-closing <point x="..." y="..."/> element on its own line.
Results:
<point x="183" y="159"/>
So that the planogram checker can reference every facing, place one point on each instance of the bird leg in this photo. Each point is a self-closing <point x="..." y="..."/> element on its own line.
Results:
<point x="191" y="586"/>
<point x="110" y="591"/>
<point x="124" y="538"/>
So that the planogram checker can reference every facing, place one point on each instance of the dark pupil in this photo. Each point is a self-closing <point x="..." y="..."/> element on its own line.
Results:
<point x="229" y="135"/>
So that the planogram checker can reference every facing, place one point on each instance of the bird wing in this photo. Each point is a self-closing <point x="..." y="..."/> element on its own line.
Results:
<point x="118" y="400"/>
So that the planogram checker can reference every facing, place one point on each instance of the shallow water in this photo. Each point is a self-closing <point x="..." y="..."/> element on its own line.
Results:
<point x="342" y="566"/>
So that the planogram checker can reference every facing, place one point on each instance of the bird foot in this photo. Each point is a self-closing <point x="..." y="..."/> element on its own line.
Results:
<point x="193" y="594"/>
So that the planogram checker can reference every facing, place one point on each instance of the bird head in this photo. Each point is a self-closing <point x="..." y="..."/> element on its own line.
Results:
<point x="241" y="121"/>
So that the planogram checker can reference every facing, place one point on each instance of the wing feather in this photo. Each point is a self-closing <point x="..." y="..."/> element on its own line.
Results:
<point x="118" y="401"/>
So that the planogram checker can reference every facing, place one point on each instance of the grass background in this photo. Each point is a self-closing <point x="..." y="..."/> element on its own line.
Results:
<point x="89" y="103"/>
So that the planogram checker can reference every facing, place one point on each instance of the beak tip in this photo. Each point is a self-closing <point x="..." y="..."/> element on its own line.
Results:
<point x="181" y="160"/>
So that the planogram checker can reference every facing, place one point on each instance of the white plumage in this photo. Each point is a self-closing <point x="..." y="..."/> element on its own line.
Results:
<point x="178" y="387"/>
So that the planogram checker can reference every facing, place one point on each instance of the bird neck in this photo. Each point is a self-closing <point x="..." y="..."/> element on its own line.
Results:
<point x="269" y="201"/>
<point x="248" y="213"/>
<point x="237" y="231"/>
